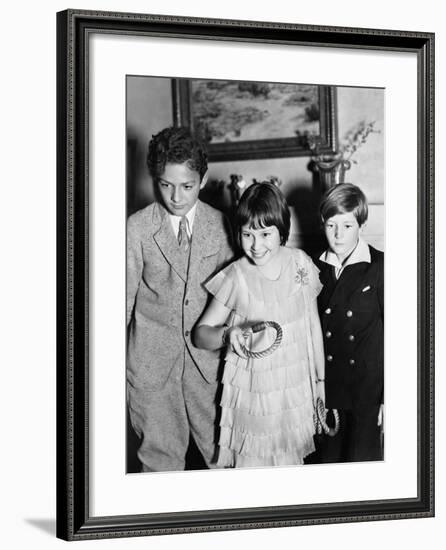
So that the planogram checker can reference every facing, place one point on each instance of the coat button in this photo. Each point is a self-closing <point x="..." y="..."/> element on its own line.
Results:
<point x="351" y="338"/>
<point x="186" y="303"/>
<point x="352" y="362"/>
<point x="349" y="313"/>
<point x="328" y="334"/>
<point x="328" y="310"/>
<point x="329" y="357"/>
<point x="187" y="333"/>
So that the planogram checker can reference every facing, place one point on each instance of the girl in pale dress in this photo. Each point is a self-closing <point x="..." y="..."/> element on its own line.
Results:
<point x="267" y="403"/>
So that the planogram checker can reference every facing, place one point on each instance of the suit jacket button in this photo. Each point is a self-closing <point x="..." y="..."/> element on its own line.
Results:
<point x="352" y="362"/>
<point x="351" y="338"/>
<point x="186" y="303"/>
<point x="328" y="310"/>
<point x="187" y="333"/>
<point x="349" y="313"/>
<point x="328" y="334"/>
<point x="329" y="357"/>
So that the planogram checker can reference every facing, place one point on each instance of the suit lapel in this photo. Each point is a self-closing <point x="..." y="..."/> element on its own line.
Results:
<point x="329" y="283"/>
<point x="168" y="245"/>
<point x="350" y="279"/>
<point x="204" y="242"/>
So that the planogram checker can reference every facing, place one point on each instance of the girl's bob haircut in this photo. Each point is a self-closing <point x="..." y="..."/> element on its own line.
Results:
<point x="263" y="205"/>
<point x="344" y="198"/>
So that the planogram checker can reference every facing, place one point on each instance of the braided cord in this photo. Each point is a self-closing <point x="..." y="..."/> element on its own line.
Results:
<point x="321" y="420"/>
<point x="264" y="353"/>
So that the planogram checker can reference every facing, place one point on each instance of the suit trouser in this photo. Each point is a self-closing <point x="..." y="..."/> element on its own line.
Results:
<point x="165" y="418"/>
<point x="358" y="439"/>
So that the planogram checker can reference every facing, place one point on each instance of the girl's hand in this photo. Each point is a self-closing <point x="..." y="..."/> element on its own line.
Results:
<point x="320" y="391"/>
<point x="236" y="338"/>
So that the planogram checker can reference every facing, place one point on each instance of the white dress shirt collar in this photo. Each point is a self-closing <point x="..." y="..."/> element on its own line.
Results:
<point x="190" y="217"/>
<point x="361" y="253"/>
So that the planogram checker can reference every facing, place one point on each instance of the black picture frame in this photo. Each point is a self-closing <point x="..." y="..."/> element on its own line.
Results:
<point x="74" y="521"/>
<point x="261" y="148"/>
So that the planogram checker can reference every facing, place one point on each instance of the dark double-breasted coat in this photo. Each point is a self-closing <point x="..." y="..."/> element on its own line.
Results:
<point x="351" y="310"/>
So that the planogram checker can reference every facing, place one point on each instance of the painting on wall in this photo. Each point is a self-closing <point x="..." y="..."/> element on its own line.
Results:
<point x="241" y="120"/>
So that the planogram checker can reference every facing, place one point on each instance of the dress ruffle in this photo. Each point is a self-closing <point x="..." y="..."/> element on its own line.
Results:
<point x="253" y="380"/>
<point x="261" y="425"/>
<point x="230" y="289"/>
<point x="263" y="404"/>
<point x="240" y="449"/>
<point x="267" y="404"/>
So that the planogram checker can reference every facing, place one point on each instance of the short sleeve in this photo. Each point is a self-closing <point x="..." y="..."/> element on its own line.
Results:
<point x="223" y="286"/>
<point x="308" y="273"/>
<point x="314" y="281"/>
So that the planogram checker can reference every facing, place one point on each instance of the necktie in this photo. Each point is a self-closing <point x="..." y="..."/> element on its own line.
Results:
<point x="183" y="237"/>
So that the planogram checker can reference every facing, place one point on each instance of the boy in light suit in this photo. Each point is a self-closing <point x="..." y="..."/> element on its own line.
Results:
<point x="173" y="247"/>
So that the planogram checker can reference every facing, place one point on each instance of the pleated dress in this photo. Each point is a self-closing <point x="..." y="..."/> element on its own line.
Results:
<point x="267" y="404"/>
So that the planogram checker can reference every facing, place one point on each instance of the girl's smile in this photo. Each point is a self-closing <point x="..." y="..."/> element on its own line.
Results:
<point x="260" y="245"/>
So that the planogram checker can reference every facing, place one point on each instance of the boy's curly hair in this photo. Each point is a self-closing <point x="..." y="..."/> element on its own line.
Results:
<point x="176" y="146"/>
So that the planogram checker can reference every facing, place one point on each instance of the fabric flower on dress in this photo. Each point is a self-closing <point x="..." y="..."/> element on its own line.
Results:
<point x="301" y="276"/>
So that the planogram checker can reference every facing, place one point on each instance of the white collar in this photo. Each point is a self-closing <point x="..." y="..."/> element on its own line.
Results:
<point x="190" y="217"/>
<point x="361" y="253"/>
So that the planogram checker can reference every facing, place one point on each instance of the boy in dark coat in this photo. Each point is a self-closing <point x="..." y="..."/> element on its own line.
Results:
<point x="351" y="309"/>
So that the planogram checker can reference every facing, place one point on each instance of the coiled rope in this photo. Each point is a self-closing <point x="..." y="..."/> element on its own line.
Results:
<point x="272" y="348"/>
<point x="321" y="420"/>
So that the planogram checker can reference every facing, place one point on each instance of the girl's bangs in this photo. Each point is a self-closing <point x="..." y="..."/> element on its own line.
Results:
<point x="258" y="220"/>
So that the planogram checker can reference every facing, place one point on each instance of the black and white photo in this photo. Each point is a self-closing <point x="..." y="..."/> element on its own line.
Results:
<point x="302" y="229"/>
<point x="227" y="194"/>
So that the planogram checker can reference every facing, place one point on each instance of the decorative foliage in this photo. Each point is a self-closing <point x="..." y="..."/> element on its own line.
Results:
<point x="356" y="137"/>
<point x="353" y="140"/>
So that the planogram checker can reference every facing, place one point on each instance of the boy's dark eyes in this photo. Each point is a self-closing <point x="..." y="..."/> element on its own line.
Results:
<point x="346" y="226"/>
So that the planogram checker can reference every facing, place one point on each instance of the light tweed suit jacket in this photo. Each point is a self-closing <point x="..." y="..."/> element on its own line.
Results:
<point x="164" y="298"/>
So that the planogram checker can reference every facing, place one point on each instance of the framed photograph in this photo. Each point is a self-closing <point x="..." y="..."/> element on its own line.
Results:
<point x="305" y="109"/>
<point x="230" y="116"/>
